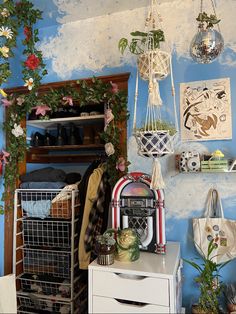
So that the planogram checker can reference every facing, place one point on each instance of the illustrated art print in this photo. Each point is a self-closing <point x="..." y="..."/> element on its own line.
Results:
<point x="205" y="110"/>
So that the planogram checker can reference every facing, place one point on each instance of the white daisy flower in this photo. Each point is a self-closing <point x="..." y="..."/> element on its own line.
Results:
<point x="29" y="83"/>
<point x="7" y="32"/>
<point x="17" y="131"/>
<point x="5" y="12"/>
<point x="4" y="51"/>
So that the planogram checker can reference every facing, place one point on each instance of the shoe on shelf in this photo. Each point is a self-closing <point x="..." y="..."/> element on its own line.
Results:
<point x="37" y="139"/>
<point x="49" y="140"/>
<point x="73" y="139"/>
<point x="61" y="135"/>
<point x="88" y="135"/>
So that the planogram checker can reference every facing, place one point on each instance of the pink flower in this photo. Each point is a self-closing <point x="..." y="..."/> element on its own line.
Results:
<point x="41" y="110"/>
<point x="115" y="88"/>
<point x="68" y="100"/>
<point x="6" y="102"/>
<point x="4" y="155"/>
<point x="121" y="164"/>
<point x="108" y="117"/>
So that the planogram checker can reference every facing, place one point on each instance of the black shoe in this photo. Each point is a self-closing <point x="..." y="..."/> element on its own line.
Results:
<point x="49" y="140"/>
<point x="61" y="136"/>
<point x="73" y="135"/>
<point x="37" y="139"/>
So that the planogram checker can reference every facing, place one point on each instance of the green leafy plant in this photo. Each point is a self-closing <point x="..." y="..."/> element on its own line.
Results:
<point x="160" y="125"/>
<point x="142" y="40"/>
<point x="208" y="280"/>
<point x="206" y="20"/>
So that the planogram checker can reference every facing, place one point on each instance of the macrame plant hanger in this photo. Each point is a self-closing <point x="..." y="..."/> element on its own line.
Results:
<point x="153" y="142"/>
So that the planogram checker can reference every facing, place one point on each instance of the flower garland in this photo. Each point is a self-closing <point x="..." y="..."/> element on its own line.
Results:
<point x="46" y="104"/>
<point x="19" y="106"/>
<point x="12" y="17"/>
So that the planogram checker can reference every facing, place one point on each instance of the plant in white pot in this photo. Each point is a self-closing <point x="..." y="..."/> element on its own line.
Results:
<point x="156" y="139"/>
<point x="146" y="45"/>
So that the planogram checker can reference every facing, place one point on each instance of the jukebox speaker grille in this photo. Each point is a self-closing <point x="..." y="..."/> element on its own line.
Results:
<point x="139" y="224"/>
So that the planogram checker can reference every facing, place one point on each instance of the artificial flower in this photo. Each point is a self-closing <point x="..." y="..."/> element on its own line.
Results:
<point x="68" y="100"/>
<point x="29" y="83"/>
<point x="27" y="33"/>
<point x="42" y="109"/>
<point x="19" y="101"/>
<point x="6" y="102"/>
<point x="7" y="32"/>
<point x="109" y="149"/>
<point x="121" y="164"/>
<point x="115" y="88"/>
<point x="13" y="116"/>
<point x="17" y="131"/>
<point x="5" y="12"/>
<point x="108" y="118"/>
<point x="4" y="155"/>
<point x="4" y="51"/>
<point x="32" y="62"/>
<point x="3" y="93"/>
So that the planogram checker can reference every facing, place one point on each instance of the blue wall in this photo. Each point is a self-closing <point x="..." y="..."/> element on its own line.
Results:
<point x="185" y="194"/>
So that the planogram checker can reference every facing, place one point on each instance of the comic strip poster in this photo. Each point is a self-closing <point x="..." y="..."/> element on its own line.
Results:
<point x="205" y="110"/>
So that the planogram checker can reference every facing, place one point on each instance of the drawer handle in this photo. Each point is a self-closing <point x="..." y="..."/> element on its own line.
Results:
<point x="131" y="303"/>
<point x="130" y="276"/>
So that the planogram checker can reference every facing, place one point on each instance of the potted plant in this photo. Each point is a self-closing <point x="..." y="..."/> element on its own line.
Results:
<point x="208" y="279"/>
<point x="156" y="139"/>
<point x="208" y="43"/>
<point x="146" y="45"/>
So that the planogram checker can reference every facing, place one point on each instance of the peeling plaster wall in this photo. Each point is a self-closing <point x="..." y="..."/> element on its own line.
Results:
<point x="86" y="47"/>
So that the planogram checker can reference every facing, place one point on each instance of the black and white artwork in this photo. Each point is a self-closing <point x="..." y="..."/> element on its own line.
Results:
<point x="205" y="110"/>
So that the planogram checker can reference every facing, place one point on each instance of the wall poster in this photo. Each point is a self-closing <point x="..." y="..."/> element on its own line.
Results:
<point x="205" y="110"/>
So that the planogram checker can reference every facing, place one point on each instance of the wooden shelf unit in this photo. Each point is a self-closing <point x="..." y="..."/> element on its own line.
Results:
<point x="42" y="155"/>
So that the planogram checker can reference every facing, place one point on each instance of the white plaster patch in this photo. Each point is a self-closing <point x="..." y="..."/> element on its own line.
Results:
<point x="185" y="193"/>
<point x="91" y="44"/>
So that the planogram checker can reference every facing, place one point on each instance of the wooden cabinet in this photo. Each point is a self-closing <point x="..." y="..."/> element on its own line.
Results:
<point x="152" y="284"/>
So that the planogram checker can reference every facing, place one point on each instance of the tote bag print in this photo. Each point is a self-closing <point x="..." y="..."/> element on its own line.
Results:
<point x="213" y="226"/>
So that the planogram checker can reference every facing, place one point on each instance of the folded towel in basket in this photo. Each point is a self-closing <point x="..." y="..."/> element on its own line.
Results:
<point x="39" y="209"/>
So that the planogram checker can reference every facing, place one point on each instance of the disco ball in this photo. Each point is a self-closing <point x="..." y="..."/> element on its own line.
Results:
<point x="206" y="45"/>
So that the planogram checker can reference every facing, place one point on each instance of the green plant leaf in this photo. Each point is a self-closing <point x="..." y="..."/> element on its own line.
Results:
<point x="122" y="45"/>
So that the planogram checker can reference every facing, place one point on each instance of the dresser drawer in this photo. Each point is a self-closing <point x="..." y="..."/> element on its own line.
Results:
<point x="133" y="288"/>
<point x="110" y="305"/>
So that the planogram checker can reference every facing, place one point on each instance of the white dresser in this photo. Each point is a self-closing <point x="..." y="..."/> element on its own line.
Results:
<point x="152" y="284"/>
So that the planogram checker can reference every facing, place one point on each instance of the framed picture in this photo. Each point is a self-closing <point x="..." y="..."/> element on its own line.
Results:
<point x="205" y="110"/>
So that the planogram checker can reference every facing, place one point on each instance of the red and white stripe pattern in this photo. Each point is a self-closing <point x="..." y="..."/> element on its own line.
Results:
<point x="160" y="210"/>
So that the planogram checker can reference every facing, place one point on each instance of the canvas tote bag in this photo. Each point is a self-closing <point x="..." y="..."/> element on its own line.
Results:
<point x="213" y="226"/>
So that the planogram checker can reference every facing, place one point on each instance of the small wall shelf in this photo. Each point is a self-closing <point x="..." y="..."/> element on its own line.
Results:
<point x="226" y="166"/>
<point x="52" y="123"/>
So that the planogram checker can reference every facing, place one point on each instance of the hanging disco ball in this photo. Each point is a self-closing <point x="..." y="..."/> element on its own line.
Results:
<point x="206" y="45"/>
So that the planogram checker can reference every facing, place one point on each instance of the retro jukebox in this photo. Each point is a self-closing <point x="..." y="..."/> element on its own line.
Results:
<point x="135" y="205"/>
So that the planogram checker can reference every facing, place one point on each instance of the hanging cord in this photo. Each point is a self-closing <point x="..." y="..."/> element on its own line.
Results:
<point x="214" y="10"/>
<point x="135" y="102"/>
<point x="173" y="94"/>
